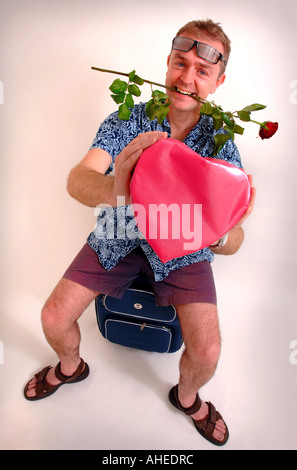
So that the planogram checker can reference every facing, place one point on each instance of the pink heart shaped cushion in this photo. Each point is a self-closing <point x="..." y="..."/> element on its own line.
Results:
<point x="183" y="202"/>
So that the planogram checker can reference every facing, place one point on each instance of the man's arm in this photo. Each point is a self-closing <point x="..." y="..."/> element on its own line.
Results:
<point x="234" y="242"/>
<point x="87" y="182"/>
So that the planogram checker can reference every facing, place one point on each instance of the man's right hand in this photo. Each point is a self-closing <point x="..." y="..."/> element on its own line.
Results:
<point x="128" y="158"/>
<point x="87" y="182"/>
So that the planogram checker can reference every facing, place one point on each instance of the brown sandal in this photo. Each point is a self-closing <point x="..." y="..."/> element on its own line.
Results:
<point x="44" y="389"/>
<point x="204" y="426"/>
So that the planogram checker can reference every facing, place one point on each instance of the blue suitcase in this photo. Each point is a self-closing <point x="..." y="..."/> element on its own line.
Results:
<point x="136" y="321"/>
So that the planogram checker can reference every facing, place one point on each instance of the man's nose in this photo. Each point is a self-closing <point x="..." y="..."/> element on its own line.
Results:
<point x="188" y="75"/>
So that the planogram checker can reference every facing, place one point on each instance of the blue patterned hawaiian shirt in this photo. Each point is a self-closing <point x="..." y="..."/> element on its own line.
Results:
<point x="116" y="233"/>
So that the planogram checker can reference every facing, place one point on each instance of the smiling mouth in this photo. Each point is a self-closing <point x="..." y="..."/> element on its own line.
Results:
<point x="186" y="93"/>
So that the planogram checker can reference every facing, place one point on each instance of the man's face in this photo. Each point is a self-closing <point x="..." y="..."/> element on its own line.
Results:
<point x="188" y="73"/>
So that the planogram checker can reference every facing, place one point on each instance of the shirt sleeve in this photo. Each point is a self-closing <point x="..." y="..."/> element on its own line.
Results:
<point x="230" y="153"/>
<point x="113" y="136"/>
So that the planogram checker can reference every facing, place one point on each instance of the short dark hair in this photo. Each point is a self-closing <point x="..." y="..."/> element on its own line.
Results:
<point x="209" y="30"/>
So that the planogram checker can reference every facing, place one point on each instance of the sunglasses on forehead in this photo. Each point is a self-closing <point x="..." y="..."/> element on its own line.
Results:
<point x="204" y="51"/>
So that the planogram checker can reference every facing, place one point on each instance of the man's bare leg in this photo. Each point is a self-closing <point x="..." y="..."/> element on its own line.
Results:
<point x="198" y="363"/>
<point x="59" y="321"/>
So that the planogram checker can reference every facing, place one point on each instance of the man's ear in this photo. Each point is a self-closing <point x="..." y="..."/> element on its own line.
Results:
<point x="218" y="83"/>
<point x="168" y="59"/>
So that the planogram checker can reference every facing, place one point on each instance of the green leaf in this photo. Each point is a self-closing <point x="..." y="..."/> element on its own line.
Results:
<point x="134" y="90"/>
<point x="227" y="120"/>
<point x="151" y="109"/>
<point x="217" y="123"/>
<point x="129" y="101"/>
<point x="254" y="107"/>
<point x="244" y="115"/>
<point x="230" y="132"/>
<point x="238" y="129"/>
<point x="219" y="141"/>
<point x="206" y="108"/>
<point x="120" y="98"/>
<point x="159" y="97"/>
<point x="137" y="80"/>
<point x="161" y="113"/>
<point x="118" y="86"/>
<point x="124" y="112"/>
<point x="217" y="118"/>
<point x="131" y="76"/>
<point x="216" y="113"/>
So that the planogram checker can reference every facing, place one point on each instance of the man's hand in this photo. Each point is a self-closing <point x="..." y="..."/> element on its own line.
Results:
<point x="127" y="159"/>
<point x="87" y="182"/>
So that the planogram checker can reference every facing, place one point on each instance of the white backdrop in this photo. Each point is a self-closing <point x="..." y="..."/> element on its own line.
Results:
<point x="51" y="105"/>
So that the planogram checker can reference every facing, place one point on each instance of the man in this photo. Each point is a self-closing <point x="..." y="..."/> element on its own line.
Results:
<point x="108" y="265"/>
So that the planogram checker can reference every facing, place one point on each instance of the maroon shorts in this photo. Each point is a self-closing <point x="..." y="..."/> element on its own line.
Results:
<point x="193" y="283"/>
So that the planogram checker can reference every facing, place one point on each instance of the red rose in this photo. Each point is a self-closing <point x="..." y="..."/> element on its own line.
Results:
<point x="268" y="129"/>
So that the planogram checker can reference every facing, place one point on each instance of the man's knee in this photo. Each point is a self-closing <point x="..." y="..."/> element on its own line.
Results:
<point x="201" y="333"/>
<point x="50" y="315"/>
<point x="54" y="312"/>
<point x="206" y="355"/>
<point x="66" y="304"/>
